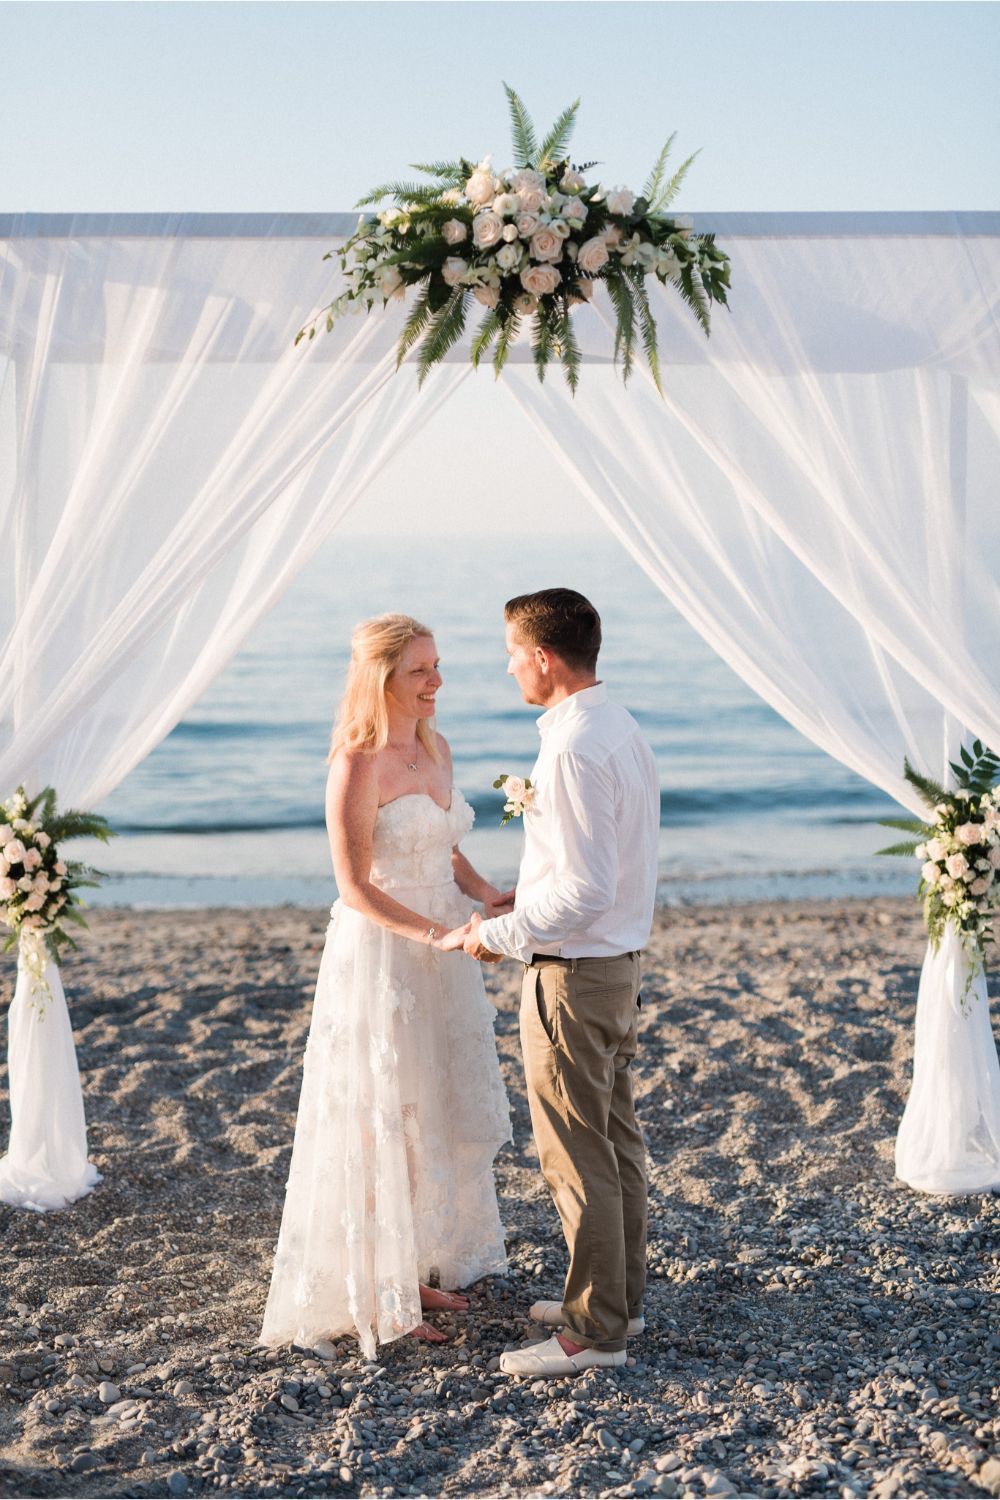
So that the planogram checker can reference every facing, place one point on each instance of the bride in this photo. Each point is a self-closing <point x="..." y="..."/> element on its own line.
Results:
<point x="402" y="1107"/>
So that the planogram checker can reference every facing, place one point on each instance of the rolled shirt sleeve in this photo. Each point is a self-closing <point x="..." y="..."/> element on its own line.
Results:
<point x="580" y="802"/>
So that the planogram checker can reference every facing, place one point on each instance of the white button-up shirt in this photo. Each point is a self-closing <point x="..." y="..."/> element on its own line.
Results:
<point x="587" y="884"/>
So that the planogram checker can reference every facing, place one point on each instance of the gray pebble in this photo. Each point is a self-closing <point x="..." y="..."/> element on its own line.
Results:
<point x="108" y="1392"/>
<point x="177" y="1483"/>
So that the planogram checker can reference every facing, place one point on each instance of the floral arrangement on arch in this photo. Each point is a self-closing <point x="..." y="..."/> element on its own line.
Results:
<point x="959" y="852"/>
<point x="38" y="888"/>
<point x="527" y="242"/>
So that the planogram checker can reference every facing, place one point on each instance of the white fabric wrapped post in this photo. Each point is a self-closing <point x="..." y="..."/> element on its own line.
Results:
<point x="46" y="1164"/>
<point x="949" y="1138"/>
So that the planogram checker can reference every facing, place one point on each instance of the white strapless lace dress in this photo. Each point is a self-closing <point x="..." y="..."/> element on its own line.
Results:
<point x="401" y="1113"/>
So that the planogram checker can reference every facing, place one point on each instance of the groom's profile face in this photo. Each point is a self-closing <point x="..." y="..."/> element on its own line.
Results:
<point x="524" y="666"/>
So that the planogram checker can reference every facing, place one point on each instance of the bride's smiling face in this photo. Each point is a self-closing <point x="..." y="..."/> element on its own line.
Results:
<point x="412" y="685"/>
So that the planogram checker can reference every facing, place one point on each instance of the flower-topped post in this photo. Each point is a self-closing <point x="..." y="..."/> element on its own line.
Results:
<point x="949" y="1136"/>
<point x="46" y="1165"/>
<point x="527" y="243"/>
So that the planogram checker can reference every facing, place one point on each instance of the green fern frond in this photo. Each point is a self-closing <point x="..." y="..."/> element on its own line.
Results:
<point x="693" y="292"/>
<point x="542" y="337"/>
<point x="569" y="348"/>
<point x="446" y="328"/>
<point x="508" y="334"/>
<point x="647" y="323"/>
<point x="621" y="300"/>
<point x="666" y="195"/>
<point x="898" y="849"/>
<point x="908" y="825"/>
<point x="555" y="144"/>
<point x="403" y="192"/>
<point x="522" y="131"/>
<point x="932" y="791"/>
<point x="487" y="331"/>
<point x="655" y="179"/>
<point x="449" y="171"/>
<point x="414" y="326"/>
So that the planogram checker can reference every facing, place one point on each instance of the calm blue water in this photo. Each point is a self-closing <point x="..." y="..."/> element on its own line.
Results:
<point x="229" y="809"/>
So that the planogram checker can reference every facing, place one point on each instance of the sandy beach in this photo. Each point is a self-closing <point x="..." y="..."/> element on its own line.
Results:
<point x="814" y="1327"/>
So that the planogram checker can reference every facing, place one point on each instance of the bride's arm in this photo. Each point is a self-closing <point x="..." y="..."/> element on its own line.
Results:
<point x="351" y="810"/>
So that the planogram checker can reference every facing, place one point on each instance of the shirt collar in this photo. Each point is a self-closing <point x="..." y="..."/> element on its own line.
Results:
<point x="576" y="703"/>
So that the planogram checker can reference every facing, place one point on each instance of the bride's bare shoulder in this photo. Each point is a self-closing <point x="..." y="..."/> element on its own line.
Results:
<point x="444" y="749"/>
<point x="353" y="773"/>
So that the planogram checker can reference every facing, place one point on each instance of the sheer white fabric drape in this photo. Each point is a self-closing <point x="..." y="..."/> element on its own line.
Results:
<point x="171" y="462"/>
<point x="815" y="494"/>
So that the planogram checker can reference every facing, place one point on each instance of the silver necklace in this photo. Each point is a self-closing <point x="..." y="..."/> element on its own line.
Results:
<point x="411" y="765"/>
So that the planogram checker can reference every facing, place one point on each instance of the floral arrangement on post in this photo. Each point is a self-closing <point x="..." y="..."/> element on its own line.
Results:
<point x="526" y="242"/>
<point x="959" y="852"/>
<point x="37" y="887"/>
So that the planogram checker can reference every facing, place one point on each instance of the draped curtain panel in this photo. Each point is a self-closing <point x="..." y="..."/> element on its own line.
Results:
<point x="815" y="493"/>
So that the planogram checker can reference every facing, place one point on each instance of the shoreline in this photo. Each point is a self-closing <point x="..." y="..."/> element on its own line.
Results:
<point x="813" y="1326"/>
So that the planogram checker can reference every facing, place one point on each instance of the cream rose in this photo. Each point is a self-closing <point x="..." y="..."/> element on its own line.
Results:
<point x="455" y="231"/>
<point x="487" y="229"/>
<point x="487" y="295"/>
<point x="527" y="224"/>
<point x="42" y="839"/>
<point x="969" y="833"/>
<point x="956" y="865"/>
<point x="35" y="901"/>
<point x="593" y="255"/>
<point x="60" y="867"/>
<point x="930" y="872"/>
<point x="7" y="888"/>
<point x="32" y="859"/>
<point x="950" y="898"/>
<point x="26" y="883"/>
<point x="936" y="848"/>
<point x="454" y="269"/>
<point x="994" y="857"/>
<point x="572" y="182"/>
<point x="514" y="789"/>
<point x="479" y="188"/>
<point x="545" y="244"/>
<point x="509" y="233"/>
<point x="560" y="228"/>
<point x="530" y="189"/>
<point x="6" y="834"/>
<point x="539" y="281"/>
<point x="506" y="205"/>
<point x="14" y="852"/>
<point x="620" y="200"/>
<point x="574" y="209"/>
<point x="509" y="257"/>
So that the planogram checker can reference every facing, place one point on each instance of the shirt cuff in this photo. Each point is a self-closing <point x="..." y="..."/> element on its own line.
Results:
<point x="498" y="935"/>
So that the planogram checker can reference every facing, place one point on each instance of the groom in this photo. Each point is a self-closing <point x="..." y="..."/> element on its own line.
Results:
<point x="581" y="910"/>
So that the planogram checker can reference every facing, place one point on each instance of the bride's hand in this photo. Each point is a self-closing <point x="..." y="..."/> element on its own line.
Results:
<point x="499" y="903"/>
<point x="452" y="942"/>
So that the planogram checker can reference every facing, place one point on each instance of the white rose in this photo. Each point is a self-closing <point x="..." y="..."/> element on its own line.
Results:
<point x="620" y="201"/>
<point x="527" y="224"/>
<point x="930" y="872"/>
<point x="41" y="881"/>
<point x="956" y="865"/>
<point x="35" y="901"/>
<point x="574" y="209"/>
<point x="6" y="834"/>
<point x="479" y="188"/>
<point x="561" y="228"/>
<point x="14" y="852"/>
<point x="25" y="883"/>
<point x="545" y="245"/>
<point x="994" y="857"/>
<point x="572" y="182"/>
<point x="936" y="848"/>
<point x="32" y="859"/>
<point x="525" y="304"/>
<point x="514" y="788"/>
<point x="950" y="898"/>
<point x="60" y="867"/>
<point x="969" y="833"/>
<point x="7" y="888"/>
<point x="487" y="229"/>
<point x="920" y="851"/>
<point x="509" y="257"/>
<point x="42" y="839"/>
<point x="506" y="204"/>
<point x="487" y="295"/>
<point x="509" y="233"/>
<point x="455" y="231"/>
<point x="530" y="189"/>
<point x="56" y="885"/>
<point x="452" y="195"/>
<point x="540" y="280"/>
<point x="453" y="270"/>
<point x="593" y="255"/>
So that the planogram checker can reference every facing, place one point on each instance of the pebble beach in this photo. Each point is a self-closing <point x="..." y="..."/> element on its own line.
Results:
<point x="814" y="1327"/>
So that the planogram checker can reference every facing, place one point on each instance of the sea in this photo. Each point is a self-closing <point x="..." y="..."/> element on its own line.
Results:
<point x="228" y="810"/>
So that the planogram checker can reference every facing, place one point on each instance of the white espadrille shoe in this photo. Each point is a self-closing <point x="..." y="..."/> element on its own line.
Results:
<point x="551" y="1315"/>
<point x="551" y="1358"/>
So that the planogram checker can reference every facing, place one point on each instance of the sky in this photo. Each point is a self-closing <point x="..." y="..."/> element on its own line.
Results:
<point x="236" y="106"/>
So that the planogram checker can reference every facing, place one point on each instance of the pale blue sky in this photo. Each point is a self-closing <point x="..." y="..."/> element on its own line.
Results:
<point x="235" y="106"/>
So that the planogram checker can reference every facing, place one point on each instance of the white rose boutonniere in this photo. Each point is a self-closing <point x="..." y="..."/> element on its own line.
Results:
<point x="520" y="796"/>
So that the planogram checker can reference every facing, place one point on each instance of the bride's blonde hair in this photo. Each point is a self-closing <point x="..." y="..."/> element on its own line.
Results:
<point x="363" y="717"/>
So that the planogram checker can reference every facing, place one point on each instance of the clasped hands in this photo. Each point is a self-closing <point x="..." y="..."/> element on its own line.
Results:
<point x="466" y="938"/>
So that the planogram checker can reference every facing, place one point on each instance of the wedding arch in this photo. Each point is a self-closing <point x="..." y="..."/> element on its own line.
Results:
<point x="815" y="491"/>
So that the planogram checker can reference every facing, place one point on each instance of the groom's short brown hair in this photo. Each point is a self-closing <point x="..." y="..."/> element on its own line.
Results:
<point x="562" y="621"/>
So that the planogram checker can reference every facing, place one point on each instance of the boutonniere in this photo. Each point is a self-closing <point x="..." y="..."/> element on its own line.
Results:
<point x="520" y="795"/>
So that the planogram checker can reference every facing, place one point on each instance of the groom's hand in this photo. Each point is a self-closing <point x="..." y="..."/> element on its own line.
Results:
<point x="474" y="947"/>
<point x="500" y="904"/>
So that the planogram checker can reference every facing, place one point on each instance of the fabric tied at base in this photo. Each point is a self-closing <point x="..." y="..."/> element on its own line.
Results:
<point x="46" y="1165"/>
<point x="949" y="1137"/>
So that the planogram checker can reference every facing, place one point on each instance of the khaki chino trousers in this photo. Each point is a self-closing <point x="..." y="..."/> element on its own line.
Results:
<point x="578" y="1037"/>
